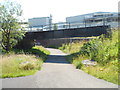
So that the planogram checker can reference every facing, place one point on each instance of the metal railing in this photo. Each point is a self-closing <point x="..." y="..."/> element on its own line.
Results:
<point x="66" y="25"/>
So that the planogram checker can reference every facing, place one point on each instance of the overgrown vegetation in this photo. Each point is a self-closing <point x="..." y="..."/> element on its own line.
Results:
<point x="23" y="62"/>
<point x="16" y="62"/>
<point x="72" y="47"/>
<point x="12" y="31"/>
<point x="103" y="50"/>
<point x="39" y="51"/>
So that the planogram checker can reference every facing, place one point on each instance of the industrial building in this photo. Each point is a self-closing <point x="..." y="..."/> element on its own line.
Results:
<point x="40" y="22"/>
<point x="85" y="20"/>
<point x="94" y="19"/>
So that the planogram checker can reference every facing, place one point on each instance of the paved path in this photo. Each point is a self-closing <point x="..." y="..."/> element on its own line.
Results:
<point x="57" y="73"/>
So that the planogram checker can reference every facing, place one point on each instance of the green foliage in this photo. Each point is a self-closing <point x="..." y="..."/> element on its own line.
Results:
<point x="11" y="30"/>
<point x="28" y="66"/>
<point x="12" y="65"/>
<point x="107" y="72"/>
<point x="78" y="64"/>
<point x="72" y="47"/>
<point x="102" y="49"/>
<point x="36" y="50"/>
<point x="22" y="63"/>
<point x="55" y="27"/>
<point x="0" y="42"/>
<point x="42" y="49"/>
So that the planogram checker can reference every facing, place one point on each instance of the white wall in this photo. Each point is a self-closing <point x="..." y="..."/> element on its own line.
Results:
<point x="38" y="21"/>
<point x="75" y="19"/>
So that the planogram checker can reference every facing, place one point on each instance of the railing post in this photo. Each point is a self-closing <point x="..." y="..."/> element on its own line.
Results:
<point x="69" y="25"/>
<point x="42" y="27"/>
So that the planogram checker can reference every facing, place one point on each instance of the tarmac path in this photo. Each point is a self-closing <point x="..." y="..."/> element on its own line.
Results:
<point x="57" y="73"/>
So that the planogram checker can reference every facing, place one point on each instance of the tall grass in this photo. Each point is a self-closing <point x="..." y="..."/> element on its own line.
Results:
<point x="37" y="50"/>
<point x="101" y="49"/>
<point x="23" y="62"/>
<point x="72" y="47"/>
<point x="12" y="67"/>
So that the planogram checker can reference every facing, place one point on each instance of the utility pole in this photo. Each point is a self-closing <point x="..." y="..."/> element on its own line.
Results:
<point x="50" y="22"/>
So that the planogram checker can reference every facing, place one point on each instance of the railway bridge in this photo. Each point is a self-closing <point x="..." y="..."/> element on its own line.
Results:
<point x="58" y="37"/>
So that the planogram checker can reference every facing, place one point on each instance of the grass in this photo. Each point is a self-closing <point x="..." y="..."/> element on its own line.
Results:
<point x="103" y="50"/>
<point x="72" y="47"/>
<point x="37" y="50"/>
<point x="12" y="67"/>
<point x="86" y="37"/>
<point x="107" y="72"/>
<point x="23" y="62"/>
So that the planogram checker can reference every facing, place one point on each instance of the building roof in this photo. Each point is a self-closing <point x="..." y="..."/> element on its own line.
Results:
<point x="94" y="13"/>
<point x="38" y="18"/>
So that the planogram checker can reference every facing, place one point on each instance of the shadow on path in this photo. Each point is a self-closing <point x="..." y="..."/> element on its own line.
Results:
<point x="60" y="59"/>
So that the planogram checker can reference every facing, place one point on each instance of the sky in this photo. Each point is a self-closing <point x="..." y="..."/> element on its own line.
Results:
<point x="60" y="9"/>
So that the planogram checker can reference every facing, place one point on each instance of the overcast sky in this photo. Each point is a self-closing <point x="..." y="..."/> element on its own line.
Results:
<point x="60" y="9"/>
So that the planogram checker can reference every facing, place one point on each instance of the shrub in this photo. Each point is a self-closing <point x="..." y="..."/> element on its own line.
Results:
<point x="103" y="50"/>
<point x="79" y="65"/>
<point x="27" y="66"/>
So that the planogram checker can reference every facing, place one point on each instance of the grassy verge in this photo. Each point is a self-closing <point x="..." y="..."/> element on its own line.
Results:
<point x="101" y="49"/>
<point x="72" y="47"/>
<point x="23" y="62"/>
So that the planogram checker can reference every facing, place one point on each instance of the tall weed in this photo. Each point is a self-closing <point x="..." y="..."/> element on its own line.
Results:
<point x="23" y="62"/>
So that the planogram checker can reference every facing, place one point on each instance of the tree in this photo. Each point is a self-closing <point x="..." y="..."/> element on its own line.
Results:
<point x="12" y="31"/>
<point x="55" y="27"/>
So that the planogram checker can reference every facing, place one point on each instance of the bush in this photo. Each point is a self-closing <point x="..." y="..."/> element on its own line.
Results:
<point x="79" y="65"/>
<point x="103" y="50"/>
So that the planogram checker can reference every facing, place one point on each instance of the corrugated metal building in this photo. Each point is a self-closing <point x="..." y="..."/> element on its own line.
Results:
<point x="92" y="19"/>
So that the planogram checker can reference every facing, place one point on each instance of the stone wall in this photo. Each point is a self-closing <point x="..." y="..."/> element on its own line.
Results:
<point x="59" y="42"/>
